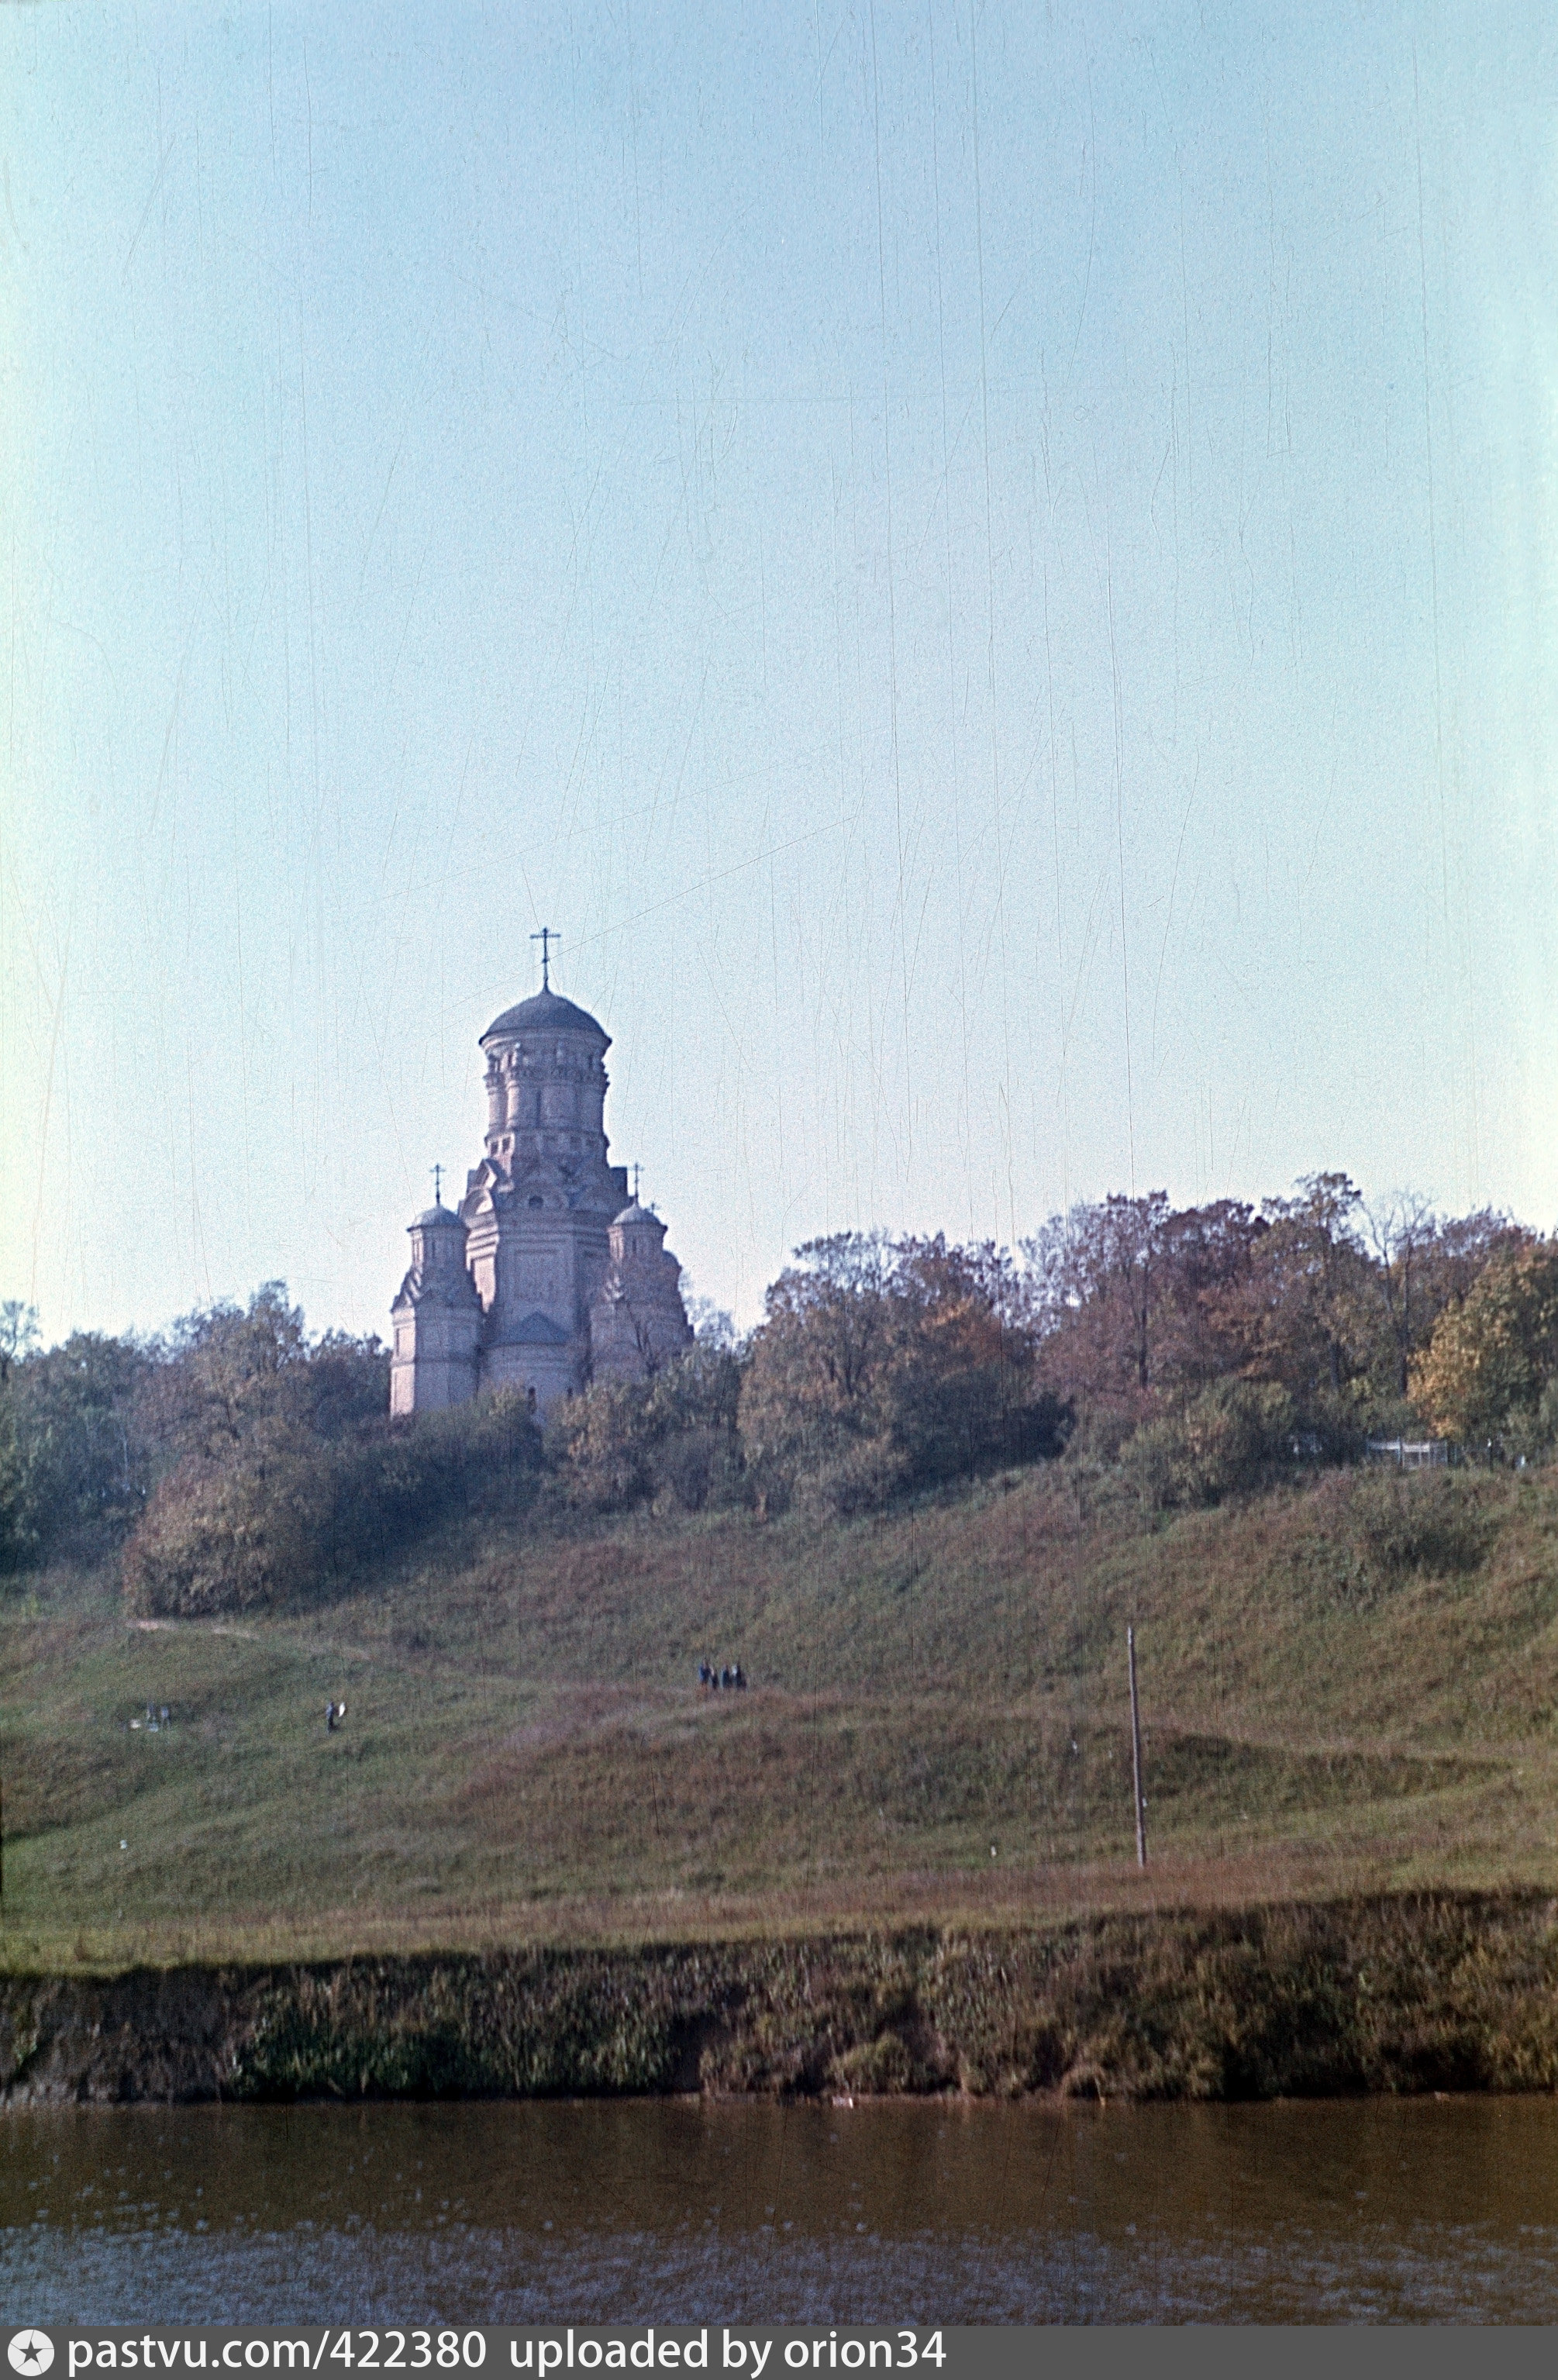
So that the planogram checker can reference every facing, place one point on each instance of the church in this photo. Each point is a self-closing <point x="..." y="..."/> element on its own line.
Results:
<point x="548" y="1276"/>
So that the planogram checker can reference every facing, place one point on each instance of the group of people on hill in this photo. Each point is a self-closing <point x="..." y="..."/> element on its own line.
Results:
<point x="732" y="1676"/>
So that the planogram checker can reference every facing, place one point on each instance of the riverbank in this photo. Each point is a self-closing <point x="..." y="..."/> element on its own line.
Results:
<point x="1398" y="1994"/>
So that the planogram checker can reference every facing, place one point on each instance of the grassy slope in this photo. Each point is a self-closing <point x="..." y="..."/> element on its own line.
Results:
<point x="527" y="1755"/>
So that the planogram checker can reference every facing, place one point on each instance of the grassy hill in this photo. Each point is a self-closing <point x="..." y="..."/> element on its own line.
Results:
<point x="1350" y="1685"/>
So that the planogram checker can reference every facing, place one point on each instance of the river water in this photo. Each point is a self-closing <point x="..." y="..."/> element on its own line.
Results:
<point x="675" y="2211"/>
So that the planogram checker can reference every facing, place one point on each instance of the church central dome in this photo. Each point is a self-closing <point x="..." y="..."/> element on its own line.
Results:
<point x="546" y="1012"/>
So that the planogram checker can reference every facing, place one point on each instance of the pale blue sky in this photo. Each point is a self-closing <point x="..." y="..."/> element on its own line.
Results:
<point x="993" y="577"/>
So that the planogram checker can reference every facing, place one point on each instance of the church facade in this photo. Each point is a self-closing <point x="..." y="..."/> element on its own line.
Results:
<point x="548" y="1275"/>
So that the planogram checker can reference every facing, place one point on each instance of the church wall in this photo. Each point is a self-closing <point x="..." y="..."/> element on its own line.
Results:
<point x="429" y="1385"/>
<point x="615" y="1353"/>
<point x="434" y="1364"/>
<point x="481" y="1254"/>
<point x="527" y="1261"/>
<point x="546" y="1262"/>
<point x="550" y="1372"/>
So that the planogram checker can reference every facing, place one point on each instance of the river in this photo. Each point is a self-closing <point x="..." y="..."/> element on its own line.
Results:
<point x="678" y="2211"/>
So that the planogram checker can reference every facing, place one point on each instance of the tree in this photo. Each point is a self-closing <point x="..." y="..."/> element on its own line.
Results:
<point x="810" y="1406"/>
<point x="1312" y="1298"/>
<point x="1134" y="1298"/>
<point x="1493" y="1357"/>
<point x="73" y="1461"/>
<point x="1141" y="1306"/>
<point x="1229" y="1438"/>
<point x="960" y="1383"/>
<point x="290" y="1516"/>
<point x="1097" y="1272"/>
<point x="713" y="1326"/>
<point x="225" y="1371"/>
<point x="1424" y="1262"/>
<point x="18" y="1334"/>
<point x="881" y="1364"/>
<point x="90" y="1428"/>
<point x="1206" y="1272"/>
<point x="1403" y="1229"/>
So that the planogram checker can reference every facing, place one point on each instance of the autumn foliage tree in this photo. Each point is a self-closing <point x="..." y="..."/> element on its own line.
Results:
<point x="1491" y="1369"/>
<point x="1133" y="1298"/>
<point x="1143" y="1307"/>
<point x="887" y="1364"/>
<point x="1424" y="1263"/>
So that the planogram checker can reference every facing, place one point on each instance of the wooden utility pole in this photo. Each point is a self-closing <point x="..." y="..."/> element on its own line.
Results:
<point x="1136" y="1752"/>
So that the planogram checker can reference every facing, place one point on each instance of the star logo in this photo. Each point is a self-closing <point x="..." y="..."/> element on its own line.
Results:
<point x="30" y="2352"/>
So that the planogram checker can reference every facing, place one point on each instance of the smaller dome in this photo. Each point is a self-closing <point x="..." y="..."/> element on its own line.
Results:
<point x="637" y="1214"/>
<point x="435" y="1216"/>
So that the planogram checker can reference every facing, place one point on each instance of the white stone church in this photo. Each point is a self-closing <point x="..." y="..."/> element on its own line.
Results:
<point x="549" y="1276"/>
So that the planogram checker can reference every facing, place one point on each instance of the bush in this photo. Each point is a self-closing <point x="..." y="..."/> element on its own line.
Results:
<point x="292" y="1517"/>
<point x="668" y="1441"/>
<point x="598" y="1446"/>
<point x="697" y="1467"/>
<point x="1232" y="1438"/>
<point x="1424" y="1521"/>
<point x="865" y="1475"/>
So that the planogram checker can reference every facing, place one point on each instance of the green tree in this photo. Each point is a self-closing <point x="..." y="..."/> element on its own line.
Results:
<point x="18" y="1334"/>
<point x="225" y="1371"/>
<point x="73" y="1461"/>
<point x="811" y="1406"/>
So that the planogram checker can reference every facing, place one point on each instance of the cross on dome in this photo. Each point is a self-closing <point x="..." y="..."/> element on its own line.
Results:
<point x="547" y="936"/>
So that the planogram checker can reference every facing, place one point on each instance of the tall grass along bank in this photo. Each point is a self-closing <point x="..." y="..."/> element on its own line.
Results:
<point x="1402" y="1993"/>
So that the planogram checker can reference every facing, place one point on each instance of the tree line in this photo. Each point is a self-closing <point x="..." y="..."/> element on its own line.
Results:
<point x="1182" y="1354"/>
